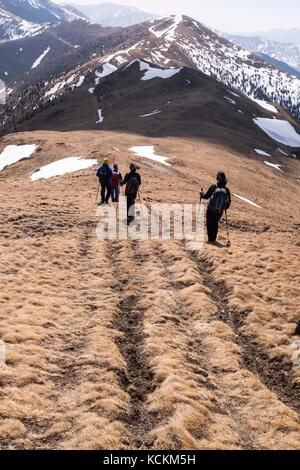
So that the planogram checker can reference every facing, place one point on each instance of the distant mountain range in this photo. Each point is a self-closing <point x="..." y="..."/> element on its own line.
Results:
<point x="22" y="18"/>
<point x="13" y="27"/>
<point x="110" y="14"/>
<point x="283" y="52"/>
<point x="280" y="35"/>
<point x="34" y="11"/>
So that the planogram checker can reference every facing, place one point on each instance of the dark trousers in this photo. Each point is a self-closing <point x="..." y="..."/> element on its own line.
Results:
<point x="212" y="224"/>
<point x="130" y="201"/>
<point x="115" y="191"/>
<point x="105" y="188"/>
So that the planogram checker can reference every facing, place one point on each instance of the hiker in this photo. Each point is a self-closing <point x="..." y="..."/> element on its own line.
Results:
<point x="105" y="175"/>
<point x="220" y="200"/>
<point x="133" y="182"/>
<point x="115" y="184"/>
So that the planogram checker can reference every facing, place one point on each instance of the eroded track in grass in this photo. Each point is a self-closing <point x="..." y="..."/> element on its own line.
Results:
<point x="274" y="374"/>
<point x="196" y="355"/>
<point x="137" y="380"/>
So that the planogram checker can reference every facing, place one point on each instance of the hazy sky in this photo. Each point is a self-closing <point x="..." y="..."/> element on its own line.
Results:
<point x="226" y="15"/>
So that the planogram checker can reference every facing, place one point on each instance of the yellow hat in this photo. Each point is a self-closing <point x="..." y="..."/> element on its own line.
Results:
<point x="106" y="160"/>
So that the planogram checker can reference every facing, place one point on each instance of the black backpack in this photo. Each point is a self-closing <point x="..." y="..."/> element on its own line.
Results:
<point x="132" y="186"/>
<point x="218" y="201"/>
<point x="103" y="176"/>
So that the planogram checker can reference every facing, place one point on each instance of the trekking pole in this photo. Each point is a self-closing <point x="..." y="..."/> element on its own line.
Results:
<point x="139" y="194"/>
<point x="97" y="192"/>
<point x="228" y="242"/>
<point x="200" y="203"/>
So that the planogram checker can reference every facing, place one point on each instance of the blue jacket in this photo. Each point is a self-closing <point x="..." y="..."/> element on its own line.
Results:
<point x="110" y="172"/>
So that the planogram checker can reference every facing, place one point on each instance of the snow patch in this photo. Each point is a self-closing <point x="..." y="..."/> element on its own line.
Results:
<point x="59" y="86"/>
<point x="61" y="167"/>
<point x="265" y="105"/>
<point x="156" y="111"/>
<point x="40" y="58"/>
<point x="261" y="152"/>
<point x="101" y="118"/>
<point x="14" y="153"/>
<point x="230" y="100"/>
<point x="152" y="72"/>
<point x="274" y="165"/>
<point x="148" y="152"/>
<point x="281" y="151"/>
<point x="79" y="83"/>
<point x="234" y="94"/>
<point x="281" y="131"/>
<point x="107" y="69"/>
<point x="247" y="200"/>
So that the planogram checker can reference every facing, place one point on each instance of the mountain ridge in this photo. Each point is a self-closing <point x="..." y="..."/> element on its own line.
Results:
<point x="110" y="14"/>
<point x="13" y="27"/>
<point x="291" y="35"/>
<point x="35" y="11"/>
<point x="178" y="42"/>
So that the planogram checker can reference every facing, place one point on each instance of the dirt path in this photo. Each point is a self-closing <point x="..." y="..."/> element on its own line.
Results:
<point x="138" y="381"/>
<point x="275" y="375"/>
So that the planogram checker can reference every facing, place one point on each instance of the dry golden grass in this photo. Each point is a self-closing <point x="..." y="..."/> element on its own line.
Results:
<point x="266" y="287"/>
<point x="127" y="344"/>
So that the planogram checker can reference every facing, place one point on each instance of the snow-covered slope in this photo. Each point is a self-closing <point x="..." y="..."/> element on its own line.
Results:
<point x="22" y="18"/>
<point x="279" y="64"/>
<point x="284" y="52"/>
<point x="109" y="14"/>
<point x="34" y="11"/>
<point x="13" y="27"/>
<point x="180" y="40"/>
<point x="73" y="13"/>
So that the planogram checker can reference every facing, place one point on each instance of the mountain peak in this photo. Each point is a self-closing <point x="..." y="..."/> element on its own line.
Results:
<point x="166" y="27"/>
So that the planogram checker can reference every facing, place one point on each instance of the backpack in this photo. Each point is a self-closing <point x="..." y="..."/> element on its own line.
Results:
<point x="218" y="201"/>
<point x="132" y="186"/>
<point x="116" y="178"/>
<point x="103" y="176"/>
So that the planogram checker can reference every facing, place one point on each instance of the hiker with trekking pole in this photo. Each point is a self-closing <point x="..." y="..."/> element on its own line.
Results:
<point x="219" y="201"/>
<point x="115" y="183"/>
<point x="133" y="182"/>
<point x="105" y="175"/>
